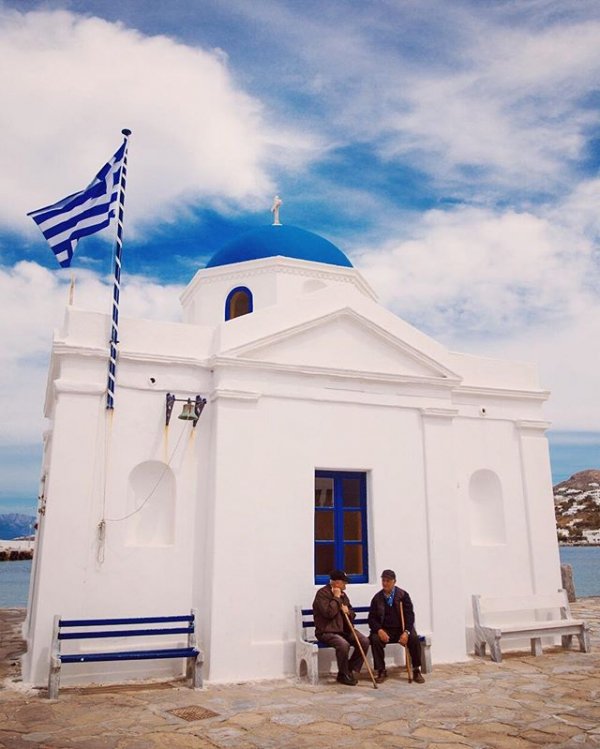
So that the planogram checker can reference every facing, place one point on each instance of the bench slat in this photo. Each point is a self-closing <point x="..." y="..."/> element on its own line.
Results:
<point x="124" y="633"/>
<point x="520" y="603"/>
<point x="557" y="624"/>
<point x="318" y="643"/>
<point x="311" y="623"/>
<point x="130" y="655"/>
<point x="356" y="609"/>
<point x="134" y="620"/>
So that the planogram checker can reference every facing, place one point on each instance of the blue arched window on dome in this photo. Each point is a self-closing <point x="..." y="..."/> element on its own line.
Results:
<point x="239" y="302"/>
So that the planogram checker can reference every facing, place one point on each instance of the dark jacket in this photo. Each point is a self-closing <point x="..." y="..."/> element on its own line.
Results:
<point x="328" y="613"/>
<point x="377" y="610"/>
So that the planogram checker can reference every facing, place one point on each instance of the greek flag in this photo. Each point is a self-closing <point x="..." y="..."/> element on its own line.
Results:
<point x="83" y="213"/>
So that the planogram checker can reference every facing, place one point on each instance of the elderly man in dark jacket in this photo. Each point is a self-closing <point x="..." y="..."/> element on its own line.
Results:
<point x="392" y="619"/>
<point x="330" y="606"/>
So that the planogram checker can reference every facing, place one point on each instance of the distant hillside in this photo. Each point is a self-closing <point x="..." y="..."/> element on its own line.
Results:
<point x="15" y="524"/>
<point x="577" y="508"/>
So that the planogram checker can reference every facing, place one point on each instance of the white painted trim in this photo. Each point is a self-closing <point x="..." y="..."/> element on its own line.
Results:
<point x="250" y="268"/>
<point x="239" y="395"/>
<point x="502" y="392"/>
<point x="347" y="312"/>
<point x="385" y="377"/>
<point x="439" y="413"/>
<point x="533" y="425"/>
<point x="78" y="387"/>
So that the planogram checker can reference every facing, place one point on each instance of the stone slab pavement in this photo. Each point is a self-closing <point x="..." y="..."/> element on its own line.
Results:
<point x="551" y="701"/>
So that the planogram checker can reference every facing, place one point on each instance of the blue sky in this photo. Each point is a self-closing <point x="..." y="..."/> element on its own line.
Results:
<point x="450" y="149"/>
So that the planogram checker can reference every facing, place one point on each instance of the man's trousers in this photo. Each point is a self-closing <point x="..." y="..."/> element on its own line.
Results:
<point x="378" y="648"/>
<point x="342" y="641"/>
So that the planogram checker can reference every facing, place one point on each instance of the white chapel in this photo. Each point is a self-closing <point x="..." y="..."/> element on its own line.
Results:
<point x="334" y="435"/>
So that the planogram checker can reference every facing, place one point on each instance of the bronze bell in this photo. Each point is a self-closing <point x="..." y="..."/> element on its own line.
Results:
<point x="187" y="412"/>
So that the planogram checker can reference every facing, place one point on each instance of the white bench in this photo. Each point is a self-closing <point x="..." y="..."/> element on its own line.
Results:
<point x="307" y="645"/>
<point x="526" y="617"/>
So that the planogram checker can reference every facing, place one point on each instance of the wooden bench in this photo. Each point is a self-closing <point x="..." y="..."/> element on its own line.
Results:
<point x="307" y="645"/>
<point x="526" y="617"/>
<point x="116" y="628"/>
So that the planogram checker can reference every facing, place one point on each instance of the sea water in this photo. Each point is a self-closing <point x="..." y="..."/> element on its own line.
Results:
<point x="585" y="561"/>
<point x="14" y="583"/>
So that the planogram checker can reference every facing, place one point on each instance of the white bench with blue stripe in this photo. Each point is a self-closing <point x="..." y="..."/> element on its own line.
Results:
<point x="307" y="645"/>
<point x="74" y="630"/>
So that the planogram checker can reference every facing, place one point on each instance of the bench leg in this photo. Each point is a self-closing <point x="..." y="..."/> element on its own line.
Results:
<point x="584" y="640"/>
<point x="479" y="648"/>
<point x="308" y="654"/>
<point x="536" y="646"/>
<point x="194" y="671"/>
<point x="312" y="668"/>
<point x="426" y="657"/>
<point x="54" y="681"/>
<point x="490" y="637"/>
<point x="567" y="641"/>
<point x="495" y="652"/>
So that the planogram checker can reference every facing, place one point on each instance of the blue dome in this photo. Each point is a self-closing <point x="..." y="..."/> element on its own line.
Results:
<point x="284" y="241"/>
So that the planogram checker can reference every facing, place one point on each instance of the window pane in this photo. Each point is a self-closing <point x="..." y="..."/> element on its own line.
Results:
<point x="323" y="492"/>
<point x="324" y="559"/>
<point x="353" y="562"/>
<point x="351" y="492"/>
<point x="240" y="304"/>
<point x="324" y="525"/>
<point x="352" y="526"/>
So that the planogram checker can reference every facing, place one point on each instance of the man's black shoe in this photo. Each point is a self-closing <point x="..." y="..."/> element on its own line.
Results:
<point x="381" y="676"/>
<point x="347" y="680"/>
<point x="417" y="676"/>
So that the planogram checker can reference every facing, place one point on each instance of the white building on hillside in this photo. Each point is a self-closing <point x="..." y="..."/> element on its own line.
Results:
<point x="335" y="435"/>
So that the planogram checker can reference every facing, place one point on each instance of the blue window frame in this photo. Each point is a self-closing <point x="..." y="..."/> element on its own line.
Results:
<point x="341" y="525"/>
<point x="239" y="302"/>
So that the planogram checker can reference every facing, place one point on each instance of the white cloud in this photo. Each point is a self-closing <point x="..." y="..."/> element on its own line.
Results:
<point x="512" y="108"/>
<point x="509" y="285"/>
<point x="481" y="98"/>
<point x="73" y="83"/>
<point x="480" y="270"/>
<point x="33" y="304"/>
<point x="568" y="358"/>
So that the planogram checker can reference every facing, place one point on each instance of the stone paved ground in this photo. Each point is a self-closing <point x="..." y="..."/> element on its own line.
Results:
<point x="552" y="701"/>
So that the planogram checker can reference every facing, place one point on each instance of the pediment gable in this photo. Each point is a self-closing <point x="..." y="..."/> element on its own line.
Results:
<point x="342" y="341"/>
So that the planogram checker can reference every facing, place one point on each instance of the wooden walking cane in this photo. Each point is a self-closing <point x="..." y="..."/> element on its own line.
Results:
<point x="406" y="651"/>
<point x="362" y="652"/>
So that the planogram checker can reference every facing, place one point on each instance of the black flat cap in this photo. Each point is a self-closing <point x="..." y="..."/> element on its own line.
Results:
<point x="338" y="575"/>
<point x="390" y="574"/>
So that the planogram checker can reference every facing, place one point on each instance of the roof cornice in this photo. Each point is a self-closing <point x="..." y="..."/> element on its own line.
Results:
<point x="278" y="264"/>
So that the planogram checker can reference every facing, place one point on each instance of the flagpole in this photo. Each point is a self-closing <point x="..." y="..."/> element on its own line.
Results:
<point x="114" y="334"/>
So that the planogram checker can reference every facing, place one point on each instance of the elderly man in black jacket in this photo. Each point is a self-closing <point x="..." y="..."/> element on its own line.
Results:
<point x="330" y="609"/>
<point x="392" y="619"/>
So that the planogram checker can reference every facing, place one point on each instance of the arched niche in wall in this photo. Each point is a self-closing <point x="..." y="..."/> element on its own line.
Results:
<point x="486" y="509"/>
<point x="152" y="497"/>
<point x="239" y="302"/>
